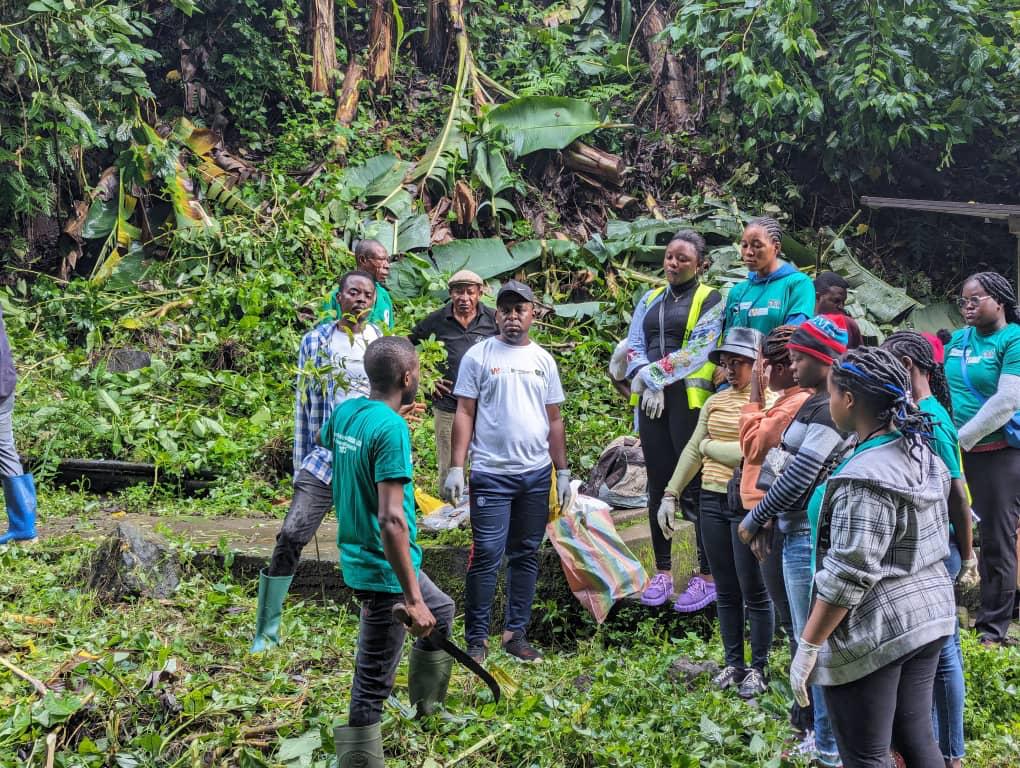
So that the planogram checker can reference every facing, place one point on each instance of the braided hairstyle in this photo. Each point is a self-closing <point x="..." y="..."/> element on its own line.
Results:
<point x="999" y="288"/>
<point x="881" y="384"/>
<point x="913" y="345"/>
<point x="772" y="228"/>
<point x="774" y="345"/>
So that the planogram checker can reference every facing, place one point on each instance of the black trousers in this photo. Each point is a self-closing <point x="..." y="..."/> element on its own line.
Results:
<point x="772" y="572"/>
<point x="738" y="582"/>
<point x="889" y="707"/>
<point x="312" y="501"/>
<point x="662" y="441"/>
<point x="994" y="481"/>
<point x="380" y="641"/>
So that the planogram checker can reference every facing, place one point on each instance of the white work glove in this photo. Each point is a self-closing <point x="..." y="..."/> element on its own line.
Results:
<point x="666" y="515"/>
<point x="562" y="488"/>
<point x="453" y="486"/>
<point x="653" y="403"/>
<point x="800" y="670"/>
<point x="968" y="577"/>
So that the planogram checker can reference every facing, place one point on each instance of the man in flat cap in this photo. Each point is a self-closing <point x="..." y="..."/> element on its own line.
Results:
<point x="459" y="324"/>
<point x="508" y="411"/>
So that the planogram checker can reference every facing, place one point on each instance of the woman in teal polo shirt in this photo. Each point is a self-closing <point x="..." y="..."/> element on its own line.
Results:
<point x="983" y="370"/>
<point x="775" y="292"/>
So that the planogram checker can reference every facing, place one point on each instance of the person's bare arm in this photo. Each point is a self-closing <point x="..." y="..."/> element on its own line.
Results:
<point x="557" y="437"/>
<point x="397" y="548"/>
<point x="463" y="429"/>
<point x="823" y="621"/>
<point x="959" y="516"/>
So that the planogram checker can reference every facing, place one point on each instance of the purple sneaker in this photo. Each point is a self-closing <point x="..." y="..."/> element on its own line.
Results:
<point x="699" y="593"/>
<point x="659" y="590"/>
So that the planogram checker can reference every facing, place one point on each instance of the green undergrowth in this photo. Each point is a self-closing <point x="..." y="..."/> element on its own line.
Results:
<point x="170" y="683"/>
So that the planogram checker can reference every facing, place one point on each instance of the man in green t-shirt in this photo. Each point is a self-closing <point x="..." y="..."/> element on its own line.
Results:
<point x="379" y="556"/>
<point x="372" y="257"/>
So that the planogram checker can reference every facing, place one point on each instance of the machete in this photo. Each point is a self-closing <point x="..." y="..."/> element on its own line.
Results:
<point x="400" y="614"/>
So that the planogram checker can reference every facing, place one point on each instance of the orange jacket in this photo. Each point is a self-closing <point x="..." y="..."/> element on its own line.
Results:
<point x="760" y="430"/>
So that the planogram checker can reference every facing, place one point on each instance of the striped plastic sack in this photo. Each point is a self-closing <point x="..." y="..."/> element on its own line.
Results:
<point x="599" y="567"/>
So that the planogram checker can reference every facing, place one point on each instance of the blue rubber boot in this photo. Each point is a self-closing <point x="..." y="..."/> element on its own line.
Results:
<point x="19" y="494"/>
<point x="272" y="591"/>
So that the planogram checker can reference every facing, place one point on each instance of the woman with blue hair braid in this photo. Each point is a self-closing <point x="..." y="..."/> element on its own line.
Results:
<point x="883" y="603"/>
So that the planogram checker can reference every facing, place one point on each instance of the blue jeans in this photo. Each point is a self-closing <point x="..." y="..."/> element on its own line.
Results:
<point x="508" y="515"/>
<point x="948" y="695"/>
<point x="799" y="583"/>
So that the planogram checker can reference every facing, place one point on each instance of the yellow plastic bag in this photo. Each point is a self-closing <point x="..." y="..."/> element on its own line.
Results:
<point x="427" y="504"/>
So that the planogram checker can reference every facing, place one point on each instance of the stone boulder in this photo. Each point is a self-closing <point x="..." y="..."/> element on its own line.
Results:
<point x="130" y="564"/>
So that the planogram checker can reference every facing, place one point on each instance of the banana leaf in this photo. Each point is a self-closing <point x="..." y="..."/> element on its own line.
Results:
<point x="530" y="123"/>
<point x="886" y="304"/>
<point x="578" y="311"/>
<point x="530" y="250"/>
<point x="935" y="317"/>
<point x="378" y="176"/>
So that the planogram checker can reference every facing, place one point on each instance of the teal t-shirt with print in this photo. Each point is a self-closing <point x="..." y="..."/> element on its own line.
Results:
<point x="814" y="509"/>
<point x="382" y="310"/>
<point x="370" y="443"/>
<point x="766" y="304"/>
<point x="945" y="443"/>
<point x="988" y="357"/>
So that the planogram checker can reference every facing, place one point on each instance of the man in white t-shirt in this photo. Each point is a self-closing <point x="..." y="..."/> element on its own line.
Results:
<point x="508" y="411"/>
<point x="331" y="369"/>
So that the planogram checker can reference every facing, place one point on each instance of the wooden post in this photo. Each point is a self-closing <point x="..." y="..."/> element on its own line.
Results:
<point x="1014" y="228"/>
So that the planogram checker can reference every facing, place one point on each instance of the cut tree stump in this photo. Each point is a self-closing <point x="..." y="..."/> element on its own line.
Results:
<point x="130" y="564"/>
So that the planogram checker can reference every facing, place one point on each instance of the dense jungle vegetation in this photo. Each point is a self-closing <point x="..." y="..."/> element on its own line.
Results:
<point x="187" y="178"/>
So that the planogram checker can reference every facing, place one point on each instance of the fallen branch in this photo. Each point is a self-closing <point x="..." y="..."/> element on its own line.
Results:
<point x="41" y="689"/>
<point x="603" y="165"/>
<point x="38" y="621"/>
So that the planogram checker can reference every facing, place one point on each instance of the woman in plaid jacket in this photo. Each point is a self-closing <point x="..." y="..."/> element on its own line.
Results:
<point x="883" y="600"/>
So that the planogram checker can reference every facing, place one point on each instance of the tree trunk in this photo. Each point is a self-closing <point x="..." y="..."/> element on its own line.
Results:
<point x="347" y="100"/>
<point x="433" y="53"/>
<point x="380" y="36"/>
<point x="323" y="45"/>
<point x="667" y="72"/>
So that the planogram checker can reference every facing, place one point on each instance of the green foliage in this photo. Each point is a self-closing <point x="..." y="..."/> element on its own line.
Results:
<point x="852" y="82"/>
<point x="161" y="683"/>
<point x="72" y="74"/>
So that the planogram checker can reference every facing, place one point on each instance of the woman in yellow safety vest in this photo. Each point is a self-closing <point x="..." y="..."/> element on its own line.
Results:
<point x="673" y="329"/>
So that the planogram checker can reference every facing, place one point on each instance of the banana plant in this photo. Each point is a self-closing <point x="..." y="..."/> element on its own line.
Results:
<point x="154" y="169"/>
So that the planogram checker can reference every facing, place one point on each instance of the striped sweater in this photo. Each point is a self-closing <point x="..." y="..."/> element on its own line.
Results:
<point x="714" y="448"/>
<point x="812" y="438"/>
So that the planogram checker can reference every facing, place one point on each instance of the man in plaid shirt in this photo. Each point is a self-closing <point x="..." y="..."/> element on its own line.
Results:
<point x="330" y="370"/>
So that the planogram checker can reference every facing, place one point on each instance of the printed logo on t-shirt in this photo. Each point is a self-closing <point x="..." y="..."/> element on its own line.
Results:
<point x="346" y="444"/>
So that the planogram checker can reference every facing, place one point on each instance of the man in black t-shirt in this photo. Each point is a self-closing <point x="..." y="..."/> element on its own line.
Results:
<point x="459" y="324"/>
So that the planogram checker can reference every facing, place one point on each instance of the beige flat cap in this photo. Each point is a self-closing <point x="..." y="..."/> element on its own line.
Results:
<point x="465" y="277"/>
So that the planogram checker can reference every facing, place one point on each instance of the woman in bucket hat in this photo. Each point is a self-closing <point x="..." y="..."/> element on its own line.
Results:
<point x="714" y="449"/>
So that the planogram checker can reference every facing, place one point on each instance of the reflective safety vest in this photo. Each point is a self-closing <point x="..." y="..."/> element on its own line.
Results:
<point x="699" y="384"/>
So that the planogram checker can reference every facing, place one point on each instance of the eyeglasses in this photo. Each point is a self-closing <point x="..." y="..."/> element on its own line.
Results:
<point x="970" y="301"/>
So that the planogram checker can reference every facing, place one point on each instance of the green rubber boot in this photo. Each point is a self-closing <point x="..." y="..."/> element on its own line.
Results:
<point x="359" y="747"/>
<point x="428" y="677"/>
<point x="272" y="591"/>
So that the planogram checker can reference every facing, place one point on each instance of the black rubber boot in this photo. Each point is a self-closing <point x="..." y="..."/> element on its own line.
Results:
<point x="428" y="677"/>
<point x="359" y="747"/>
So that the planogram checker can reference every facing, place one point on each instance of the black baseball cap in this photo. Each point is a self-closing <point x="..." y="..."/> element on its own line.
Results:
<point x="515" y="288"/>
